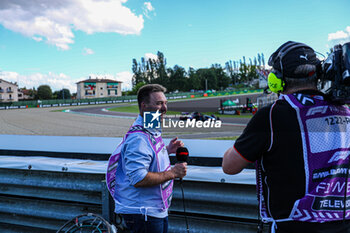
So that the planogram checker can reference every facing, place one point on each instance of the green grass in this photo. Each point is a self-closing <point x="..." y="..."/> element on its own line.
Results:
<point x="57" y="110"/>
<point x="131" y="109"/>
<point x="135" y="109"/>
<point x="244" y="115"/>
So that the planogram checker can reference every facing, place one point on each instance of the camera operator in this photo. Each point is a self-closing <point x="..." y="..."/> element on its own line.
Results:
<point x="301" y="146"/>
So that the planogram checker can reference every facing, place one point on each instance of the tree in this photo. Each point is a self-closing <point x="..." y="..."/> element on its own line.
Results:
<point x="223" y="80"/>
<point x="137" y="72"/>
<point x="29" y="93"/>
<point x="55" y="95"/>
<point x="44" y="92"/>
<point x="155" y="71"/>
<point x="243" y="73"/>
<point x="151" y="73"/>
<point x="177" y="78"/>
<point x="136" y="88"/>
<point x="252" y="73"/>
<point x="193" y="81"/>
<point x="247" y="73"/>
<point x="207" y="78"/>
<point x="263" y="59"/>
<point x="64" y="94"/>
<point x="162" y="77"/>
<point x="33" y="93"/>
<point x="230" y="71"/>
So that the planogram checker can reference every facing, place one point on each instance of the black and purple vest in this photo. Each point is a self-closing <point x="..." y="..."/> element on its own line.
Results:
<point x="325" y="134"/>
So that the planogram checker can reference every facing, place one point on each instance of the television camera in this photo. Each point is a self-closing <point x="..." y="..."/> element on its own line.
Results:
<point x="335" y="71"/>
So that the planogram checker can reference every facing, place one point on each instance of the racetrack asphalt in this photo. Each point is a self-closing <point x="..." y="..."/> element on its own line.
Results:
<point x="94" y="121"/>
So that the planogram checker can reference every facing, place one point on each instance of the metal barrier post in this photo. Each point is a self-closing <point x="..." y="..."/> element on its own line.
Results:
<point x="107" y="204"/>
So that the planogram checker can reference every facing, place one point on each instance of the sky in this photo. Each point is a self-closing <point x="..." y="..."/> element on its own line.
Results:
<point x="60" y="43"/>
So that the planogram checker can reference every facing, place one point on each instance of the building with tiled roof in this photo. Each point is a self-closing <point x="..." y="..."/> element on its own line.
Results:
<point x="8" y="91"/>
<point x="98" y="88"/>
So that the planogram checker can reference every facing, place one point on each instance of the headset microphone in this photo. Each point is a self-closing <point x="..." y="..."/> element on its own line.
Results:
<point x="182" y="154"/>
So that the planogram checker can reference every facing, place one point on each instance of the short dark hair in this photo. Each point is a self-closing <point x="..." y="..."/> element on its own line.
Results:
<point x="310" y="78"/>
<point x="144" y="92"/>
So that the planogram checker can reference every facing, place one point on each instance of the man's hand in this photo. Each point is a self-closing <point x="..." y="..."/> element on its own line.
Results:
<point x="179" y="170"/>
<point x="173" y="145"/>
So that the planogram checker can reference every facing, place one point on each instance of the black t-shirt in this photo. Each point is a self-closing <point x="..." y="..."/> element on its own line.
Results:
<point x="283" y="162"/>
<point x="273" y="135"/>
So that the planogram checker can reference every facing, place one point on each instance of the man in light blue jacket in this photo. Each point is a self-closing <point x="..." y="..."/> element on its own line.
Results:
<point x="139" y="175"/>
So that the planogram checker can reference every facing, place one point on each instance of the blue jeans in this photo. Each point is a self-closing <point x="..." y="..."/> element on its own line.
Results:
<point x="136" y="224"/>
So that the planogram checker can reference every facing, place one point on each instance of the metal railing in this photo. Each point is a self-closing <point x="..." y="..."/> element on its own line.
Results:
<point x="45" y="200"/>
<point x="42" y="201"/>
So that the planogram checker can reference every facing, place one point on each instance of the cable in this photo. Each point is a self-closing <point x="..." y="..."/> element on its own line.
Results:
<point x="320" y="54"/>
<point x="183" y="203"/>
<point x="87" y="223"/>
<point x="260" y="223"/>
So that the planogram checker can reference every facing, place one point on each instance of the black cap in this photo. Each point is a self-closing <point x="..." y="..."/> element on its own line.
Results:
<point x="290" y="55"/>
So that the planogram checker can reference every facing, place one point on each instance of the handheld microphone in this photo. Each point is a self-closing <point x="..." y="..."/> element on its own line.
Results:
<point x="182" y="154"/>
<point x="182" y="157"/>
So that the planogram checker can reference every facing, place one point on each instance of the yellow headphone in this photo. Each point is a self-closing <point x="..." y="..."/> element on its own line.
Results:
<point x="275" y="79"/>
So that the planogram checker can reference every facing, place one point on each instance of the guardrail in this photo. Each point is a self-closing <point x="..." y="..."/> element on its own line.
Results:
<point x="42" y="201"/>
<point x="39" y="194"/>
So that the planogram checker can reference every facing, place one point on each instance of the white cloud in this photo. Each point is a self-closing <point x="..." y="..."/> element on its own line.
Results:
<point x="150" y="56"/>
<point x="147" y="8"/>
<point x="88" y="51"/>
<point x="55" y="81"/>
<point x="337" y="35"/>
<point x="126" y="78"/>
<point x="348" y="29"/>
<point x="56" y="20"/>
<point x="38" y="39"/>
